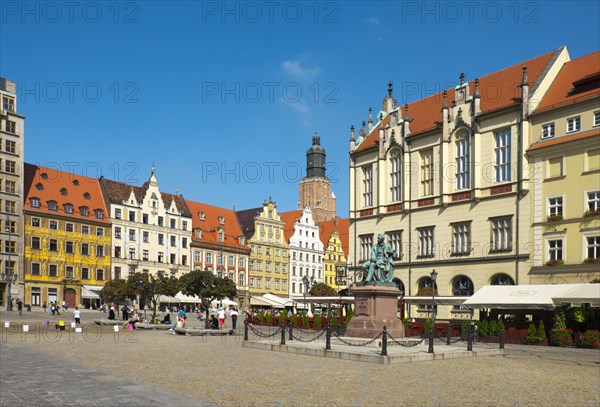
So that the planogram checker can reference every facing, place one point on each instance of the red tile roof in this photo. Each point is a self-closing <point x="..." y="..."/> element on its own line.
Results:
<point x="565" y="139"/>
<point x="211" y="224"/>
<point x="497" y="90"/>
<point x="573" y="72"/>
<point x="48" y="184"/>
<point x="290" y="219"/>
<point x="342" y="226"/>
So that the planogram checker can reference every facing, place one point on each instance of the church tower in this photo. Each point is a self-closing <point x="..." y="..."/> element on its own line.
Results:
<point x="315" y="188"/>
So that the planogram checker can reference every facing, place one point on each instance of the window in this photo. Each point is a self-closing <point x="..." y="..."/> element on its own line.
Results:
<point x="35" y="269"/>
<point x="99" y="251"/>
<point x="593" y="200"/>
<point x="69" y="247"/>
<point x="68" y="208"/>
<point x="592" y="161"/>
<point x="284" y="285"/>
<point x="53" y="270"/>
<point x="117" y="252"/>
<point x="367" y="185"/>
<point x="69" y="272"/>
<point x="366" y="241"/>
<point x="230" y="261"/>
<point x="35" y="242"/>
<point x="593" y="247"/>
<point x="197" y="256"/>
<point x="461" y="238"/>
<point x="258" y="282"/>
<point x="251" y="282"/>
<point x="173" y="241"/>
<point x="69" y="227"/>
<point x="145" y="255"/>
<point x="10" y="166"/>
<point x="184" y="225"/>
<point x="132" y="235"/>
<point x="10" y="246"/>
<point x="99" y="214"/>
<point x="8" y="103"/>
<point x="10" y="186"/>
<point x="241" y="262"/>
<point x="145" y="218"/>
<point x="462" y="164"/>
<point x="34" y="202"/>
<point x="172" y="258"/>
<point x="220" y="236"/>
<point x="10" y="127"/>
<point x="501" y="234"/>
<point x="597" y="118"/>
<point x="573" y="124"/>
<point x="85" y="249"/>
<point x="53" y="245"/>
<point x="10" y="207"/>
<point x="161" y="239"/>
<point x="53" y="225"/>
<point x="160" y="257"/>
<point x="184" y="260"/>
<point x="555" y="250"/>
<point x="268" y="284"/>
<point x="502" y="279"/>
<point x="173" y="221"/>
<point x="35" y="222"/>
<point x="426" y="242"/>
<point x="555" y="207"/>
<point x="146" y="237"/>
<point x="84" y="211"/>
<point x="427" y="172"/>
<point x="503" y="155"/>
<point x="463" y="287"/>
<point x="117" y="273"/>
<point x="395" y="240"/>
<point x="548" y="130"/>
<point x="131" y="216"/>
<point x="184" y="242"/>
<point x="209" y="257"/>
<point x="99" y="232"/>
<point x="241" y="279"/>
<point x="85" y="273"/>
<point x="117" y="232"/>
<point x="117" y="213"/>
<point x="85" y="230"/>
<point x="99" y="274"/>
<point x="161" y="221"/>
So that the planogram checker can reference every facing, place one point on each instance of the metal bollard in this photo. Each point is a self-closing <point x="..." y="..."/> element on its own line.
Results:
<point x="384" y="342"/>
<point x="501" y="333"/>
<point x="448" y="333"/>
<point x="282" y="335"/>
<point x="470" y="341"/>
<point x="328" y="336"/>
<point x="245" y="330"/>
<point x="291" y="334"/>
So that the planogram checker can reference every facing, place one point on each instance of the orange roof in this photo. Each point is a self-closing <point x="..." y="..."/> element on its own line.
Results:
<point x="565" y="139"/>
<point x="64" y="188"/>
<point x="497" y="90"/>
<point x="211" y="223"/>
<point x="342" y="226"/>
<point x="290" y="219"/>
<point x="564" y="89"/>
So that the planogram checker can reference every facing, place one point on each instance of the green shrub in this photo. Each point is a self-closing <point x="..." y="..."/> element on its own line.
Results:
<point x="493" y="328"/>
<point x="349" y="316"/>
<point x="261" y="317"/>
<point x="269" y="318"/>
<point x="427" y="327"/>
<point x="406" y="325"/>
<point x="318" y="321"/>
<point x="482" y="328"/>
<point x="591" y="339"/>
<point x="305" y="321"/>
<point x="560" y="335"/>
<point x="293" y="319"/>
<point x="541" y="331"/>
<point x="532" y="335"/>
<point x="500" y="325"/>
<point x="334" y="322"/>
<point x="464" y="330"/>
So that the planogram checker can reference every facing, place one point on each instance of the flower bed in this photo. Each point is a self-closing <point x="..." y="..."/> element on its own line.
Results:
<point x="590" y="339"/>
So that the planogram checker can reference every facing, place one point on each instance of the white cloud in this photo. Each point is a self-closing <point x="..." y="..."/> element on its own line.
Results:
<point x="294" y="69"/>
<point x="299" y="106"/>
<point x="372" y="20"/>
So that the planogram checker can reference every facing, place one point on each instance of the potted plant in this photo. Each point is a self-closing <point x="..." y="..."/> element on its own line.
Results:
<point x="553" y="263"/>
<point x="554" y="218"/>
<point x="591" y="260"/>
<point x="317" y="322"/>
<point x="560" y="335"/>
<point x="591" y="213"/>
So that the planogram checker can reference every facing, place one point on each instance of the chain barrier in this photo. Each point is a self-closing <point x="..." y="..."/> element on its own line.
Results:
<point x="405" y="343"/>
<point x="445" y="339"/>
<point x="296" y="338"/>
<point x="261" y="335"/>
<point x="357" y="344"/>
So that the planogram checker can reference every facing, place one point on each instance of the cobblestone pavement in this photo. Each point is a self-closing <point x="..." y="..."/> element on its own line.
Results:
<point x="99" y="367"/>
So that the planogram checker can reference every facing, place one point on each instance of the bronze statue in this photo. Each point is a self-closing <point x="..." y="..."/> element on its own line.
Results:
<point x="380" y="267"/>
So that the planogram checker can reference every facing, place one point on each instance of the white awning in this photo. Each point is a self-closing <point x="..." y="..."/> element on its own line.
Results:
<point x="263" y="302"/>
<point x="224" y="302"/>
<point x="91" y="291"/>
<point x="582" y="294"/>
<point x="427" y="300"/>
<point x="518" y="296"/>
<point x="187" y="298"/>
<point x="168" y="299"/>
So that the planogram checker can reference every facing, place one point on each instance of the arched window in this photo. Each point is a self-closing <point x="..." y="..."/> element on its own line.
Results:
<point x="398" y="283"/>
<point x="502" y="279"/>
<point x="462" y="287"/>
<point x="426" y="287"/>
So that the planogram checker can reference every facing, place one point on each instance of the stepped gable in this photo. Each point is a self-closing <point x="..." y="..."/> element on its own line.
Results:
<point x="48" y="184"/>
<point x="498" y="90"/>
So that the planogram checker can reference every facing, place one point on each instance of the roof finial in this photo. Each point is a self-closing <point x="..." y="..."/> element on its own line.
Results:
<point x="390" y="88"/>
<point x="476" y="86"/>
<point x="406" y="111"/>
<point x="525" y="80"/>
<point x="462" y="78"/>
<point x="445" y="102"/>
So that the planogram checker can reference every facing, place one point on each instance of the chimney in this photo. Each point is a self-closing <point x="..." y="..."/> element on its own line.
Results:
<point x="445" y="126"/>
<point x="524" y="94"/>
<point x="352" y="140"/>
<point x="370" y="119"/>
<point x="476" y="99"/>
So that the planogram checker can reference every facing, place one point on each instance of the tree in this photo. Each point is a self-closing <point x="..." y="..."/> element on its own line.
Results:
<point x="208" y="287"/>
<point x="323" y="290"/>
<point x="152" y="286"/>
<point x="116" y="291"/>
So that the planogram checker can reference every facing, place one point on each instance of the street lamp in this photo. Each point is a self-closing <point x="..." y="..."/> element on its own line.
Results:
<point x="433" y="286"/>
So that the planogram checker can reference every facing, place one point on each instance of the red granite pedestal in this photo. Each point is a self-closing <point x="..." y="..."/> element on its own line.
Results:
<point x="375" y="307"/>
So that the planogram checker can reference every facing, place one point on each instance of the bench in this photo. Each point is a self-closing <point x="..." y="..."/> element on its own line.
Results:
<point x="203" y="332"/>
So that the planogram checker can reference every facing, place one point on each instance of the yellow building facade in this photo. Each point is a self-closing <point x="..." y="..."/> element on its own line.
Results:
<point x="67" y="238"/>
<point x="334" y="235"/>
<point x="268" y="263"/>
<point x="565" y="158"/>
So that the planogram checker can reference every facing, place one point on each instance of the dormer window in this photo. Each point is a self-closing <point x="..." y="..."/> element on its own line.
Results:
<point x="68" y="208"/>
<point x="198" y="233"/>
<point x="76" y="182"/>
<point x="84" y="211"/>
<point x="202" y="215"/>
<point x="34" y="202"/>
<point x="99" y="214"/>
<point x="44" y="176"/>
<point x="241" y="241"/>
<point x="87" y="195"/>
<point x="39" y="186"/>
<point x="221" y="236"/>
<point x="221" y="219"/>
<point x="63" y="191"/>
<point x="52" y="206"/>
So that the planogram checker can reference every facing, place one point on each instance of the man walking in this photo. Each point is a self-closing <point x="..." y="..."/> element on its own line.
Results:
<point x="77" y="316"/>
<point x="234" y="317"/>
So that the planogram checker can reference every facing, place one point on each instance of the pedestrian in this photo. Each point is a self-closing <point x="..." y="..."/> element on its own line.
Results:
<point x="111" y="313"/>
<point x="214" y="323"/>
<point x="221" y="316"/>
<point x="65" y="305"/>
<point x="56" y="308"/>
<point x="125" y="312"/>
<point x="77" y="316"/>
<point x="234" y="317"/>
<point x="20" y="306"/>
<point x="44" y="307"/>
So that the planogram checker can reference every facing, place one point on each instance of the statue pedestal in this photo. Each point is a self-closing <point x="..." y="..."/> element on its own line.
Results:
<point x="375" y="307"/>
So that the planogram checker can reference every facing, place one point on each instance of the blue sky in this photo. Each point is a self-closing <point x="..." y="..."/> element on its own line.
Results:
<point x="224" y="97"/>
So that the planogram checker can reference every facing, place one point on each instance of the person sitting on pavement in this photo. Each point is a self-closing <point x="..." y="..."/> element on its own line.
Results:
<point x="214" y="322"/>
<point x="135" y="318"/>
<point x="167" y="319"/>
